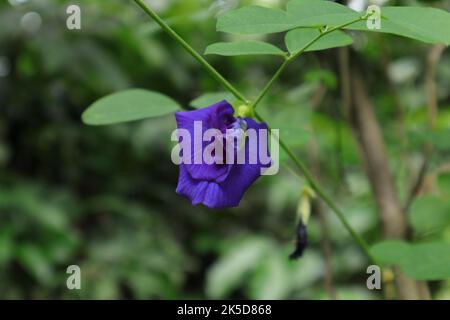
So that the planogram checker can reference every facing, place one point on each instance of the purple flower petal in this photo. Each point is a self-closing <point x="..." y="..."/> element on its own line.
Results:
<point x="228" y="187"/>
<point x="217" y="116"/>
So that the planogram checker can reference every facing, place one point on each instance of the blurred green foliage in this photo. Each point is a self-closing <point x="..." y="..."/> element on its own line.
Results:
<point x="104" y="198"/>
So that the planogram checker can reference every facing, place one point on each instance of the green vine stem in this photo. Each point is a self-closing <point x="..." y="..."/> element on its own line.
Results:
<point x="299" y="164"/>
<point x="323" y="195"/>
<point x="211" y="70"/>
<point x="295" y="55"/>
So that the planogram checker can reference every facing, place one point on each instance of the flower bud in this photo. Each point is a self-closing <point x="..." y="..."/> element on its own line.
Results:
<point x="304" y="204"/>
<point x="303" y="213"/>
<point x="244" y="111"/>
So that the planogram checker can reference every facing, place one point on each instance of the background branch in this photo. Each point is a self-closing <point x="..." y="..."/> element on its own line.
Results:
<point x="433" y="57"/>
<point x="314" y="164"/>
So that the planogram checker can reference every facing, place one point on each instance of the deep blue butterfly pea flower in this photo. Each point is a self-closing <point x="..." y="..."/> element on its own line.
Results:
<point x="218" y="185"/>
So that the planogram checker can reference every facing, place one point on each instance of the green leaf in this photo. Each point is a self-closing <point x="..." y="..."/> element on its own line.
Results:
<point x="429" y="25"/>
<point x="439" y="138"/>
<point x="254" y="20"/>
<point x="207" y="99"/>
<point x="128" y="105"/>
<point x="229" y="271"/>
<point x="300" y="13"/>
<point x="424" y="261"/>
<point x="429" y="261"/>
<point x="243" y="48"/>
<point x="6" y="245"/>
<point x="391" y="252"/>
<point x="316" y="13"/>
<point x="298" y="38"/>
<point x="429" y="213"/>
<point x="35" y="262"/>
<point x="443" y="182"/>
<point x="271" y="279"/>
<point x="327" y="77"/>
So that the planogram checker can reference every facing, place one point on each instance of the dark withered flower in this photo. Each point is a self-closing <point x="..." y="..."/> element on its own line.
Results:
<point x="301" y="241"/>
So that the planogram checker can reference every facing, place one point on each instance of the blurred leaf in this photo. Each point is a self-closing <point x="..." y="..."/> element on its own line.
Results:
<point x="207" y="99"/>
<point x="424" y="261"/>
<point x="29" y="200"/>
<point x="148" y="284"/>
<point x="326" y="77"/>
<point x="438" y="138"/>
<point x="315" y="13"/>
<point x="292" y="121"/>
<point x="243" y="48"/>
<point x="429" y="213"/>
<point x="6" y="245"/>
<point x="34" y="261"/>
<point x="271" y="279"/>
<point x="128" y="105"/>
<point x="429" y="261"/>
<point x="228" y="272"/>
<point x="444" y="183"/>
<point x="93" y="64"/>
<point x="404" y="70"/>
<point x="106" y="287"/>
<point x="443" y="118"/>
<point x="298" y="38"/>
<point x="306" y="271"/>
<point x="328" y="132"/>
<point x="61" y="247"/>
<point x="353" y="293"/>
<point x="391" y="252"/>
